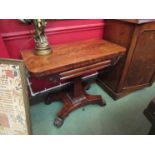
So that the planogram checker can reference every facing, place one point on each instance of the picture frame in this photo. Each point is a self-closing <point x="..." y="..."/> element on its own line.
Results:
<point x="14" y="100"/>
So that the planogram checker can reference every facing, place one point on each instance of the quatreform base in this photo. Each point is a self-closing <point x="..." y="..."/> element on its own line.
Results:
<point x="73" y="99"/>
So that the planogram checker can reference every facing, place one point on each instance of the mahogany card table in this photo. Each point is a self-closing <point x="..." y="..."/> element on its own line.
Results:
<point x="70" y="61"/>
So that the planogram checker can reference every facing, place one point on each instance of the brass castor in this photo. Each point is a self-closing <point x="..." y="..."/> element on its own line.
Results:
<point x="58" y="122"/>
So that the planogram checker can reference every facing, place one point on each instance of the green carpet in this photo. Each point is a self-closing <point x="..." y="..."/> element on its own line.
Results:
<point x="124" y="116"/>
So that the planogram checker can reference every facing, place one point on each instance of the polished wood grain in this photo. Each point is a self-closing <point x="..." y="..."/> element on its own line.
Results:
<point x="84" y="70"/>
<point x="136" y="69"/>
<point x="120" y="33"/>
<point x="70" y="56"/>
<point x="71" y="61"/>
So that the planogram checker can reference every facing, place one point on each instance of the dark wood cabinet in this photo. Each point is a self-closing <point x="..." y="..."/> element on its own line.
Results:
<point x="137" y="68"/>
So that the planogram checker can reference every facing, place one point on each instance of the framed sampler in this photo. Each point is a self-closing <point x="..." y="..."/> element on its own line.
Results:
<point x="14" y="102"/>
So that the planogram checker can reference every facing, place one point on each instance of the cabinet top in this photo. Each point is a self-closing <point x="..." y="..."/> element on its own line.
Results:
<point x="138" y="21"/>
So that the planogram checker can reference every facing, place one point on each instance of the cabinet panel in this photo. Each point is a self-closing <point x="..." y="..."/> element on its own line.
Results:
<point x="120" y="33"/>
<point x="142" y="65"/>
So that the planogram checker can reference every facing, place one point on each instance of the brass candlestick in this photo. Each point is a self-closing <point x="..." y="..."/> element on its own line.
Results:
<point x="42" y="46"/>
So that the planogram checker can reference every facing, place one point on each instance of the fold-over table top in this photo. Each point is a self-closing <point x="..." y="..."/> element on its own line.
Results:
<point x="70" y="56"/>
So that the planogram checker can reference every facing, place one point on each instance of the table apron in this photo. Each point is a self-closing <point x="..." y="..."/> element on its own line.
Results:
<point x="84" y="70"/>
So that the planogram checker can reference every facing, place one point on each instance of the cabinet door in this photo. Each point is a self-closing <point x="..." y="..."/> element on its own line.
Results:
<point x="120" y="33"/>
<point x="142" y="66"/>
